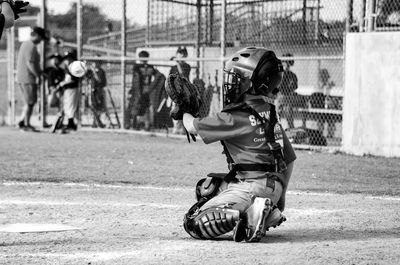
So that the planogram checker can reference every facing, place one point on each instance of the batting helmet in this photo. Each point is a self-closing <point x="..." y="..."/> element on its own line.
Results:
<point x="253" y="70"/>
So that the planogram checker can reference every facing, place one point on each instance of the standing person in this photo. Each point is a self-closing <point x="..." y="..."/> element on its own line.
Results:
<point x="326" y="102"/>
<point x="183" y="69"/>
<point x="54" y="75"/>
<point x="69" y="87"/>
<point x="287" y="96"/>
<point x="98" y="104"/>
<point x="251" y="197"/>
<point x="145" y="95"/>
<point x="29" y="73"/>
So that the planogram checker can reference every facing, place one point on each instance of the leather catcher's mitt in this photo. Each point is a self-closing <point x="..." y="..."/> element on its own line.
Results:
<point x="185" y="95"/>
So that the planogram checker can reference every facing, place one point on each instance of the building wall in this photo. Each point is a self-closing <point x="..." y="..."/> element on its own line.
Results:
<point x="371" y="120"/>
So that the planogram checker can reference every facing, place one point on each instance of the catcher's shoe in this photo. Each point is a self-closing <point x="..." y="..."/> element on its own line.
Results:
<point x="239" y="231"/>
<point x="256" y="217"/>
<point x="274" y="219"/>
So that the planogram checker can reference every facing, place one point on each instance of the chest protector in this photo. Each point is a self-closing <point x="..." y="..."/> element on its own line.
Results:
<point x="273" y="147"/>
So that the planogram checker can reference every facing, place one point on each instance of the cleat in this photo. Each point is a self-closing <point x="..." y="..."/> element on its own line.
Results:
<point x="257" y="215"/>
<point x="275" y="218"/>
<point x="239" y="231"/>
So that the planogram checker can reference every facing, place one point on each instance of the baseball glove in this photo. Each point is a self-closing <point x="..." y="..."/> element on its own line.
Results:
<point x="186" y="98"/>
<point x="185" y="95"/>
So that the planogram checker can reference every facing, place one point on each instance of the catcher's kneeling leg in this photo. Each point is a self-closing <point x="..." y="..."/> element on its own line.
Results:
<point x="210" y="223"/>
<point x="214" y="221"/>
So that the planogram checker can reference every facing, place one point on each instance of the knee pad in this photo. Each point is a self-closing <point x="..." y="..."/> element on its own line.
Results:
<point x="210" y="223"/>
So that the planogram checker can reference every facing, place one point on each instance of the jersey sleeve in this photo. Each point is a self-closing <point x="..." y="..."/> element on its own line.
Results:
<point x="223" y="126"/>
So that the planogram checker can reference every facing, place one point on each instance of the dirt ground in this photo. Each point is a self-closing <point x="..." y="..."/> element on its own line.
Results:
<point x="143" y="225"/>
<point x="129" y="215"/>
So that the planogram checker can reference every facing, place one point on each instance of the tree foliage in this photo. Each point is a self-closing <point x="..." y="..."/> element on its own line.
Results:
<point x="94" y="22"/>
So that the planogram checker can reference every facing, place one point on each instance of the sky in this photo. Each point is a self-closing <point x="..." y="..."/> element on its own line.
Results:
<point x="137" y="9"/>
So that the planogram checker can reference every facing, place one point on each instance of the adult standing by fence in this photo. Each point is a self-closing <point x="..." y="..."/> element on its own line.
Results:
<point x="288" y="95"/>
<point x="145" y="95"/>
<point x="29" y="73"/>
<point x="97" y="99"/>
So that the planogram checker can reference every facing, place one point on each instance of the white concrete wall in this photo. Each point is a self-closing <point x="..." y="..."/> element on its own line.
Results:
<point x="371" y="107"/>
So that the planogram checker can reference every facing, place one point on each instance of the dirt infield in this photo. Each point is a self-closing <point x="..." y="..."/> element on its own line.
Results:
<point x="129" y="194"/>
<point x="143" y="225"/>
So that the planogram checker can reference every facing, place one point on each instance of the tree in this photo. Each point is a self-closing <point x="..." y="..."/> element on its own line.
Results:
<point x="94" y="22"/>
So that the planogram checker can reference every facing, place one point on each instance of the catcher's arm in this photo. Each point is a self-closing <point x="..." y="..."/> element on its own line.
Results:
<point x="188" y="120"/>
<point x="286" y="177"/>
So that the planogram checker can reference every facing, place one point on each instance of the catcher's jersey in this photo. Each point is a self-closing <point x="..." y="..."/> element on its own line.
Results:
<point x="243" y="135"/>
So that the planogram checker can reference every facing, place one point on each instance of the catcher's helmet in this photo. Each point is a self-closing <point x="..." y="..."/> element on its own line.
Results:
<point x="253" y="70"/>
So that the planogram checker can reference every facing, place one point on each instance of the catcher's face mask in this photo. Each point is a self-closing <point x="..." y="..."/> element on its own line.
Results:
<point x="231" y="86"/>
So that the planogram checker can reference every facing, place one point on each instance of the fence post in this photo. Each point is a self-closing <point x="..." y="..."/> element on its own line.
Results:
<point x="79" y="29"/>
<point x="11" y="76"/>
<point x="223" y="51"/>
<point x="123" y="64"/>
<point x="363" y="18"/>
<point x="43" y="107"/>
<point x="349" y="16"/>
<point x="148" y="30"/>
<point x="198" y="36"/>
<point x="79" y="55"/>
<point x="371" y="15"/>
<point x="316" y="29"/>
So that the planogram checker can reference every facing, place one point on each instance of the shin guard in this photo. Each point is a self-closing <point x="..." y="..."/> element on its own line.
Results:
<point x="211" y="223"/>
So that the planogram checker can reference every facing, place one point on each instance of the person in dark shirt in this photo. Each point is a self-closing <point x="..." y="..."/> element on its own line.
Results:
<point x="288" y="95"/>
<point x="54" y="75"/>
<point x="69" y="87"/>
<point x="98" y="81"/>
<point x="145" y="95"/>
<point x="182" y="68"/>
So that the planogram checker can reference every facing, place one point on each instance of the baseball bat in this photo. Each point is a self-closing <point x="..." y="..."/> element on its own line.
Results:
<point x="114" y="108"/>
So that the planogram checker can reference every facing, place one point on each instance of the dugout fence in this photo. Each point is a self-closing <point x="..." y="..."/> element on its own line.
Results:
<point x="308" y="35"/>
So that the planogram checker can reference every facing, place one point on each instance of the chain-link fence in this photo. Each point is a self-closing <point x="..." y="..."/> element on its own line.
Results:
<point x="136" y="45"/>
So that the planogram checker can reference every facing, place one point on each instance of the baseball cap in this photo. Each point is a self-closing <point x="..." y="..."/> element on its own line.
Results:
<point x="288" y="54"/>
<point x="144" y="54"/>
<point x="44" y="34"/>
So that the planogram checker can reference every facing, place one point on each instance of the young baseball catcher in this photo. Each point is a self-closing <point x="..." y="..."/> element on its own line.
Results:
<point x="251" y="197"/>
